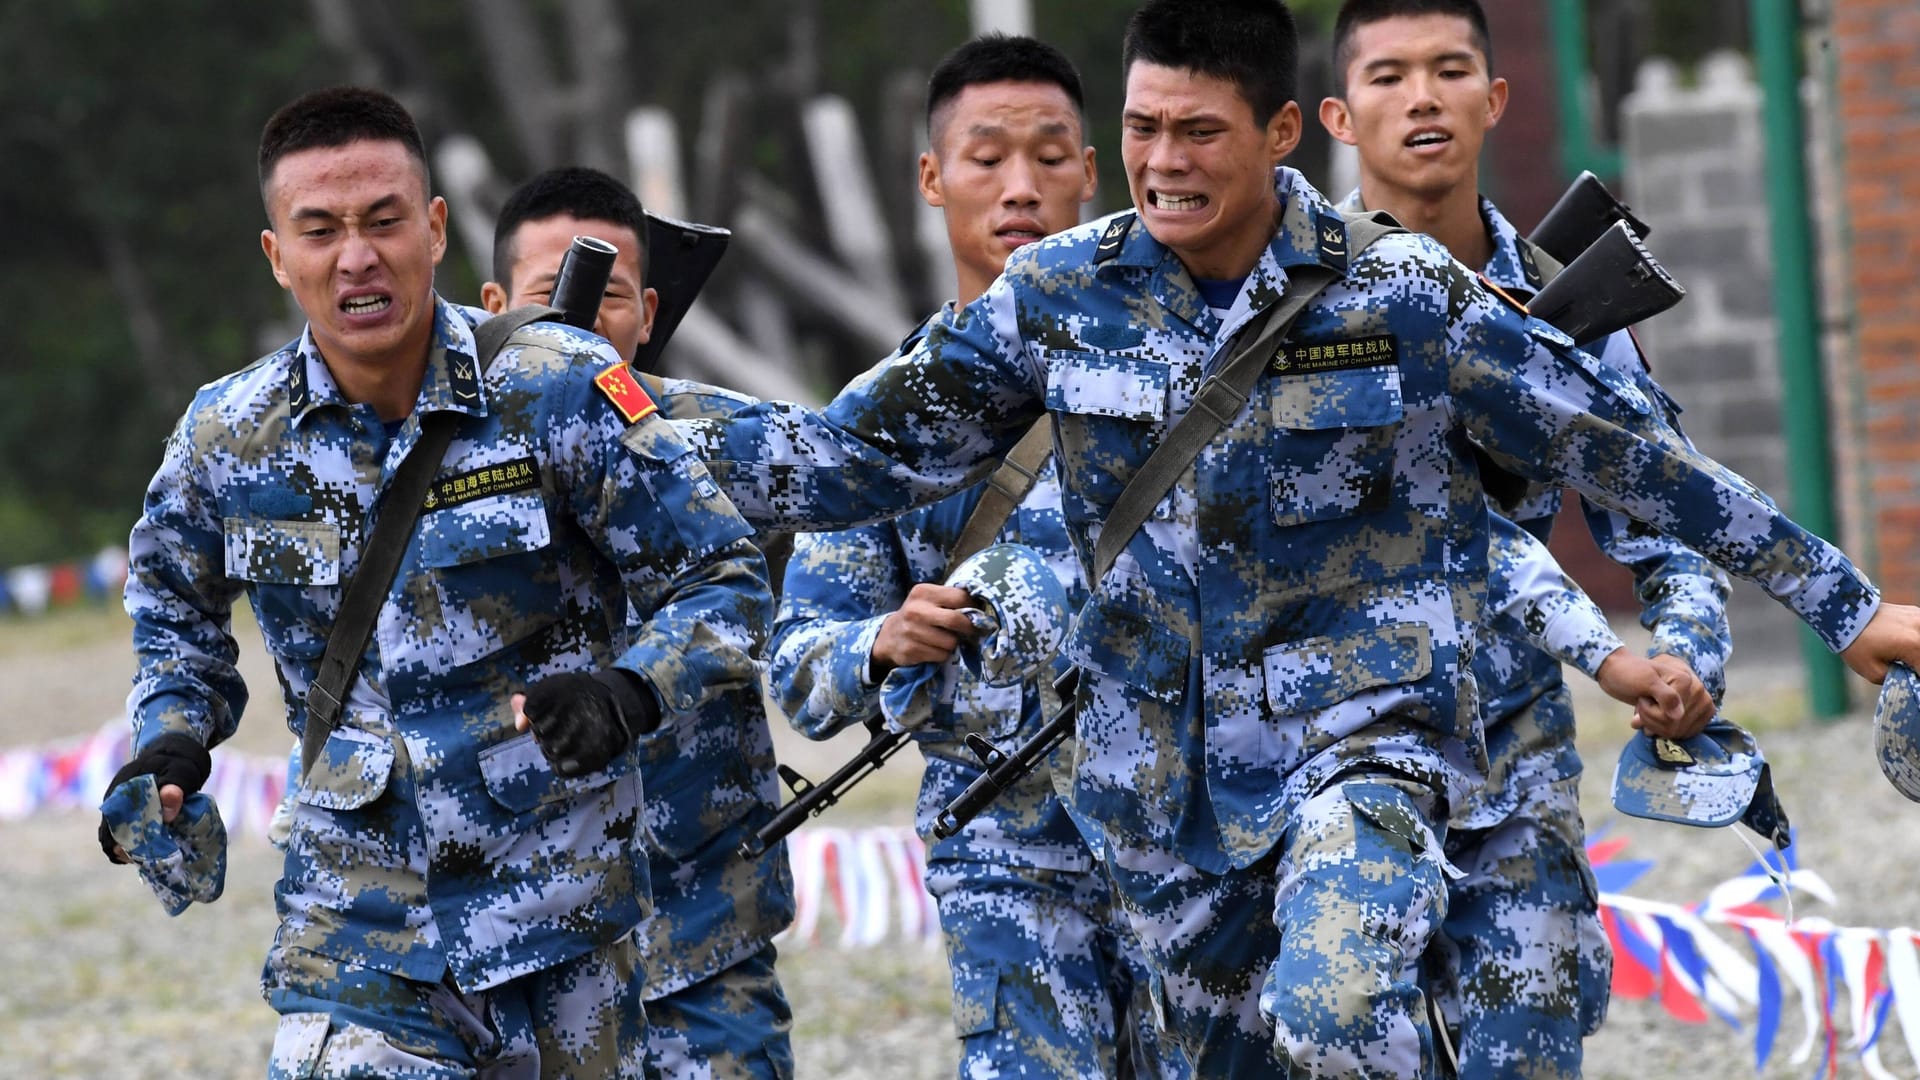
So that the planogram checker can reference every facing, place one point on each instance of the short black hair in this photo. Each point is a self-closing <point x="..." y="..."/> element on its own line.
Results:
<point x="574" y="191"/>
<point x="998" y="58"/>
<point x="1250" y="43"/>
<point x="1355" y="14"/>
<point x="335" y="116"/>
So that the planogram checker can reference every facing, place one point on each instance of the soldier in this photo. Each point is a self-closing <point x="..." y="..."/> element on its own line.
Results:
<point x="1047" y="979"/>
<point x="1275" y="709"/>
<point x="714" y="1004"/>
<point x="1525" y="964"/>
<point x="459" y="897"/>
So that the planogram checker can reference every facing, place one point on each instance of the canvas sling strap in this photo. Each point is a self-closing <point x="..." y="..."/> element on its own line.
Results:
<point x="399" y="511"/>
<point x="1009" y="484"/>
<point x="1222" y="395"/>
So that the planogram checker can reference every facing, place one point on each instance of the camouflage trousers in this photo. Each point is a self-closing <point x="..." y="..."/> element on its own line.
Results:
<point x="1308" y="962"/>
<point x="732" y="1025"/>
<point x="1522" y="967"/>
<point x="1047" y="979"/>
<point x="579" y="1018"/>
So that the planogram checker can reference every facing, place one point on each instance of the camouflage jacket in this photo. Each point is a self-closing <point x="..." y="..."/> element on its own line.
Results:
<point x="431" y="836"/>
<point x="1682" y="595"/>
<point x="1305" y="599"/>
<point x="841" y="586"/>
<point x="708" y="781"/>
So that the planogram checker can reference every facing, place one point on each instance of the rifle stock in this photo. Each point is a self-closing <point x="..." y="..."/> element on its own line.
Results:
<point x="681" y="256"/>
<point x="810" y="799"/>
<point x="1583" y="213"/>
<point x="1614" y="284"/>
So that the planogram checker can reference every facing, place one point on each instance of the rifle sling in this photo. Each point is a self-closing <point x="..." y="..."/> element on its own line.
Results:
<point x="1009" y="484"/>
<point x="366" y="593"/>
<point x="1221" y="397"/>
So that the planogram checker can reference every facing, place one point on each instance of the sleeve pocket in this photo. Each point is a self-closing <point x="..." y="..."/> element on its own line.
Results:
<point x="1310" y="675"/>
<point x="976" y="995"/>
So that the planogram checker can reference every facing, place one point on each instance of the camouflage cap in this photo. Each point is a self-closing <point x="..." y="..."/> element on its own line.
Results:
<point x="1896" y="730"/>
<point x="181" y="862"/>
<point x="1714" y="779"/>
<point x="1029" y="609"/>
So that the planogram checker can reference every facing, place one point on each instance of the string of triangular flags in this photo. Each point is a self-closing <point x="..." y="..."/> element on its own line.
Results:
<point x="1851" y="982"/>
<point x="32" y="589"/>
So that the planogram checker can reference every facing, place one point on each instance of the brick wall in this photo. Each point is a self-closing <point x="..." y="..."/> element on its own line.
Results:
<point x="1876" y="77"/>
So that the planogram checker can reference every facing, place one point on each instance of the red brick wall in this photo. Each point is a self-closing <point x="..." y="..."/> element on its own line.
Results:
<point x="1877" y="64"/>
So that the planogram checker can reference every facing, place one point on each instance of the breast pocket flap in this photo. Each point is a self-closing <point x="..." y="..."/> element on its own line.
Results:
<point x="1099" y="384"/>
<point x="1316" y="673"/>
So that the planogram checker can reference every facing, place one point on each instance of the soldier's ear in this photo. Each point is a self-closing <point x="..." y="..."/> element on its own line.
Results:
<point x="930" y="189"/>
<point x="1338" y="120"/>
<point x="493" y="297"/>
<point x="649" y="305"/>
<point x="1496" y="101"/>
<point x="1283" y="132"/>
<point x="270" y="246"/>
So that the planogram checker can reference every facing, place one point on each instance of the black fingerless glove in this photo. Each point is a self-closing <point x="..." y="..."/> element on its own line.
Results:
<point x="172" y="758"/>
<point x="582" y="722"/>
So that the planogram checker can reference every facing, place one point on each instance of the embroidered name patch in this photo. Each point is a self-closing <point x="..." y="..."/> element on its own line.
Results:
<point x="519" y="474"/>
<point x="621" y="388"/>
<point x="1306" y="358"/>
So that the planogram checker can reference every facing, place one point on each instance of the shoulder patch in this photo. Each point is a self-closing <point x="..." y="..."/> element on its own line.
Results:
<point x="621" y="388"/>
<point x="1505" y="296"/>
<point x="1114" y="238"/>
<point x="1330" y="239"/>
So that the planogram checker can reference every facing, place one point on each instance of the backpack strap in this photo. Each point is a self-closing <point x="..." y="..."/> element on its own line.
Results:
<point x="1225" y="393"/>
<point x="399" y="510"/>
<point x="1009" y="484"/>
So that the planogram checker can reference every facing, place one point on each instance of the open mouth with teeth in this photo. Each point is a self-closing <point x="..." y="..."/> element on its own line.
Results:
<point x="1163" y="201"/>
<point x="366" y="305"/>
<point x="1018" y="237"/>
<point x="1429" y="138"/>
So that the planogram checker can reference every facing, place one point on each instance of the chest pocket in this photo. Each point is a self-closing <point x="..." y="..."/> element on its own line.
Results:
<point x="492" y="568"/>
<point x="282" y="552"/>
<point x="1109" y="411"/>
<point x="1332" y="442"/>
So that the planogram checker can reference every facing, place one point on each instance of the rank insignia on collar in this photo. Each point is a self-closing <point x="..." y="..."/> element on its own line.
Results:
<point x="1505" y="296"/>
<point x="461" y="378"/>
<point x="1330" y="234"/>
<point x="1114" y="238"/>
<point x="621" y="388"/>
<point x="297" y="384"/>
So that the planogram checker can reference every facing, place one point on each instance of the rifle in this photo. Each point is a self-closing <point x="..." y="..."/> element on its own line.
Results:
<point x="582" y="280"/>
<point x="810" y="799"/>
<point x="681" y="256"/>
<point x="1005" y="768"/>
<point x="1614" y="284"/>
<point x="1585" y="211"/>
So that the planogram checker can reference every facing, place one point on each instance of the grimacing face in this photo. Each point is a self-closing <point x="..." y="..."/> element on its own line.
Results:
<point x="1200" y="166"/>
<point x="1419" y="102"/>
<point x="355" y="238"/>
<point x="1009" y="165"/>
<point x="626" y="308"/>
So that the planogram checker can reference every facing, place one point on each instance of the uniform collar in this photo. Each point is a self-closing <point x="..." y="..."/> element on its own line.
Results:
<point x="452" y="380"/>
<point x="1301" y="239"/>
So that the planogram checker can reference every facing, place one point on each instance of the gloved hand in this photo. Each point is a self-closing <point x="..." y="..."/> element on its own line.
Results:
<point x="583" y="721"/>
<point x="172" y="758"/>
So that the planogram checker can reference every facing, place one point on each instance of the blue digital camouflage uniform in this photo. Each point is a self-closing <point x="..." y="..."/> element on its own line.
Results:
<point x="1277" y="705"/>
<point x="1524" y="968"/>
<point x="448" y="902"/>
<point x="715" y="1008"/>
<point x="1047" y="979"/>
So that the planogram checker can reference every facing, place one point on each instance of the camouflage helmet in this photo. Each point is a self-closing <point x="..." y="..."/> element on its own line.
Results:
<point x="181" y="861"/>
<point x="1896" y="730"/>
<point x="1713" y="779"/>
<point x="1027" y="613"/>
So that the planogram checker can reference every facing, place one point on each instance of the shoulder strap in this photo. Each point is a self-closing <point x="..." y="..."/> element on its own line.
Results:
<point x="1009" y="484"/>
<point x="399" y="510"/>
<point x="1222" y="396"/>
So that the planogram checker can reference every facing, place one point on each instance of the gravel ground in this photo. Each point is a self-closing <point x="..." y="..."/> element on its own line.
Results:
<point x="100" y="983"/>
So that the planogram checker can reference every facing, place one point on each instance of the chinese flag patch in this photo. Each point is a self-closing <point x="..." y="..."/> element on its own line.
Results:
<point x="621" y="388"/>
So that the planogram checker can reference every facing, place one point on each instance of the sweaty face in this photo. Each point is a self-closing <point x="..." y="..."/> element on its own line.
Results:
<point x="1419" y="103"/>
<point x="1200" y="166"/>
<point x="1009" y="165"/>
<point x="626" y="309"/>
<point x="355" y="238"/>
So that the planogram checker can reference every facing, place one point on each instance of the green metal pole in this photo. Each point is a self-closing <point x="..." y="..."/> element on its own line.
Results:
<point x="1567" y="24"/>
<point x="1776" y="47"/>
